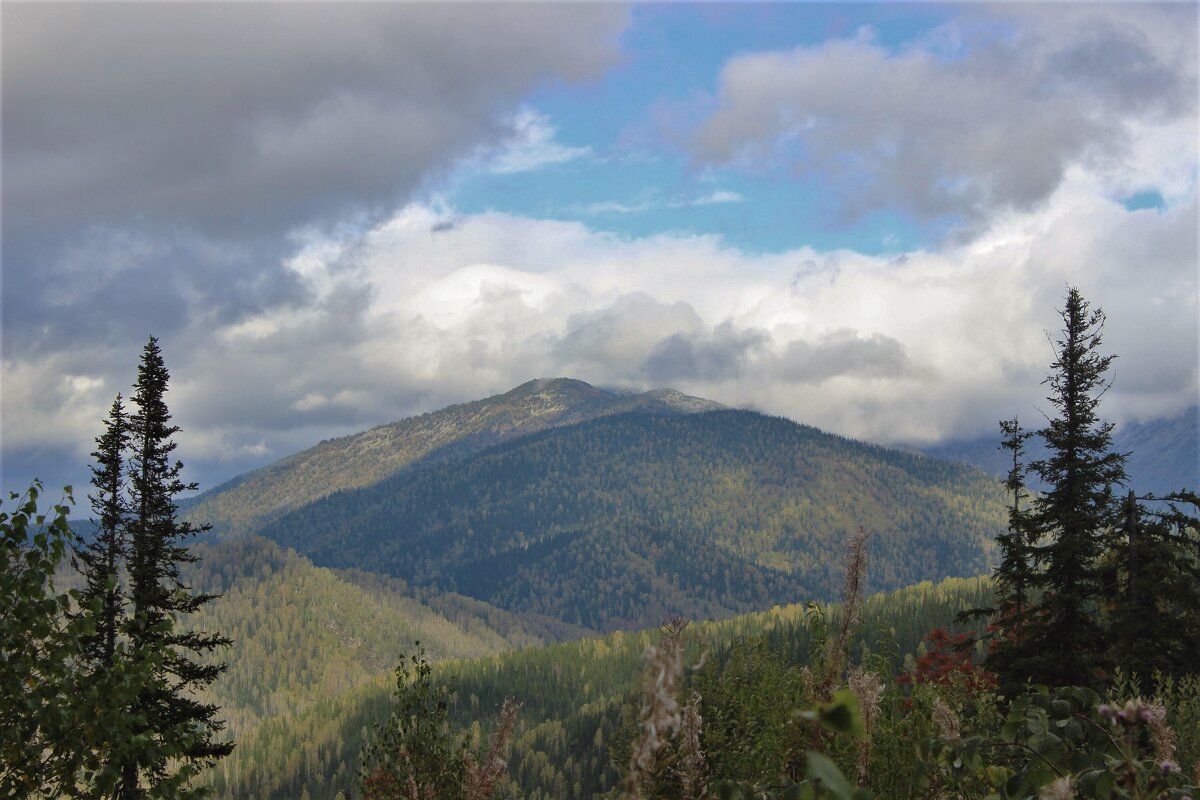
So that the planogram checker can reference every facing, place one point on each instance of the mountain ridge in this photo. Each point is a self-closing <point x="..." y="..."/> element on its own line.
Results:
<point x="1164" y="453"/>
<point x="251" y="499"/>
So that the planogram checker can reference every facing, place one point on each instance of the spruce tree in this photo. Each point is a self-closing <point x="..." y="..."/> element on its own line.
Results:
<point x="99" y="561"/>
<point x="1154" y="568"/>
<point x="1014" y="575"/>
<point x="1060" y="637"/>
<point x="179" y="731"/>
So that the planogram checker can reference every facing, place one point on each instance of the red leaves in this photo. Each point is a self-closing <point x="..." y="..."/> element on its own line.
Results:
<point x="950" y="660"/>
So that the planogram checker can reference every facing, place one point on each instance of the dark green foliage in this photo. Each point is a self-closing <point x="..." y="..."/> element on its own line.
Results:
<point x="1086" y="581"/>
<point x="622" y="521"/>
<point x="252" y="500"/>
<point x="37" y="680"/>
<point x="1153" y="576"/>
<point x="1059" y="640"/>
<point x="813" y="775"/>
<point x="100" y="559"/>
<point x="1065" y="742"/>
<point x="174" y="733"/>
<point x="575" y="698"/>
<point x="63" y="723"/>
<point x="303" y="634"/>
<point x="750" y="697"/>
<point x="416" y="752"/>
<point x="1077" y="508"/>
<point x="1014" y="574"/>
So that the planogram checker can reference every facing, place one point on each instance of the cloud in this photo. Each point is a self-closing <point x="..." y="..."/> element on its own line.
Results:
<point x="532" y="146"/>
<point x="843" y="352"/>
<point x="205" y="133"/>
<point x="717" y="197"/>
<point x="653" y="203"/>
<point x="250" y="115"/>
<point x="983" y="125"/>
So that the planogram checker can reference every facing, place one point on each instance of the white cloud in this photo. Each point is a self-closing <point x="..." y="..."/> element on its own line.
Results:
<point x="532" y="146"/>
<point x="368" y="324"/>
<point x="917" y="347"/>
<point x="719" y="196"/>
<point x="940" y="127"/>
<point x="655" y="203"/>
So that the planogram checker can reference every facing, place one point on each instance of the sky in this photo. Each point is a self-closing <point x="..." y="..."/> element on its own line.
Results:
<point x="332" y="216"/>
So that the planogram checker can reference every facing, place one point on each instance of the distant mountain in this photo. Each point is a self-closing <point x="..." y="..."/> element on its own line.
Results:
<point x="620" y="520"/>
<point x="250" y="500"/>
<point x="1164" y="453"/>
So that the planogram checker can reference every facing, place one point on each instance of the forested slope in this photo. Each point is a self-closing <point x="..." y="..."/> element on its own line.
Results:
<point x="248" y="501"/>
<point x="619" y="521"/>
<point x="302" y="633"/>
<point x="577" y="698"/>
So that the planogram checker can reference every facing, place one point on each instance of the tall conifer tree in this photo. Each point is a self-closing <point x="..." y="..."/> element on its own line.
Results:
<point x="1061" y="638"/>
<point x="100" y="560"/>
<point x="177" y="727"/>
<point x="1015" y="573"/>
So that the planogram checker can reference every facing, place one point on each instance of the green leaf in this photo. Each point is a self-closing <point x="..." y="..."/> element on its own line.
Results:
<point x="842" y="714"/>
<point x="820" y="768"/>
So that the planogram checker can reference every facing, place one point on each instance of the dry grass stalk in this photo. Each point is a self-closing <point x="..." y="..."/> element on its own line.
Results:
<point x="1161" y="735"/>
<point x="482" y="778"/>
<point x="868" y="688"/>
<point x="660" y="714"/>
<point x="693" y="773"/>
<point x="852" y="601"/>
<point x="946" y="720"/>
<point x="414" y="791"/>
<point x="1060" y="789"/>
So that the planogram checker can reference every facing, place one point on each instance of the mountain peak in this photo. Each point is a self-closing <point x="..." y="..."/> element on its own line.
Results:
<point x="362" y="459"/>
<point x="566" y="389"/>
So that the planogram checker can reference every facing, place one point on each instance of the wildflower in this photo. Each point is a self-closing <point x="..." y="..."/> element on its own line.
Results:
<point x="1060" y="789"/>
<point x="946" y="720"/>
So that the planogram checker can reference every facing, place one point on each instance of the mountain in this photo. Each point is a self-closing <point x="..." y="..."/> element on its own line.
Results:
<point x="255" y="498"/>
<point x="1164" y="454"/>
<point x="624" y="519"/>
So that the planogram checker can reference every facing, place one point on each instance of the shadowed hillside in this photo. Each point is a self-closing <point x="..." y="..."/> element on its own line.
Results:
<point x="620" y="521"/>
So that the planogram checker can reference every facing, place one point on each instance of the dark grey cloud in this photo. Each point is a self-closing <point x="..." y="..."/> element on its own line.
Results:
<point x="719" y="355"/>
<point x="210" y="130"/>
<point x="991" y="125"/>
<point x="844" y="353"/>
<point x="605" y="341"/>
<point x="240" y="116"/>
